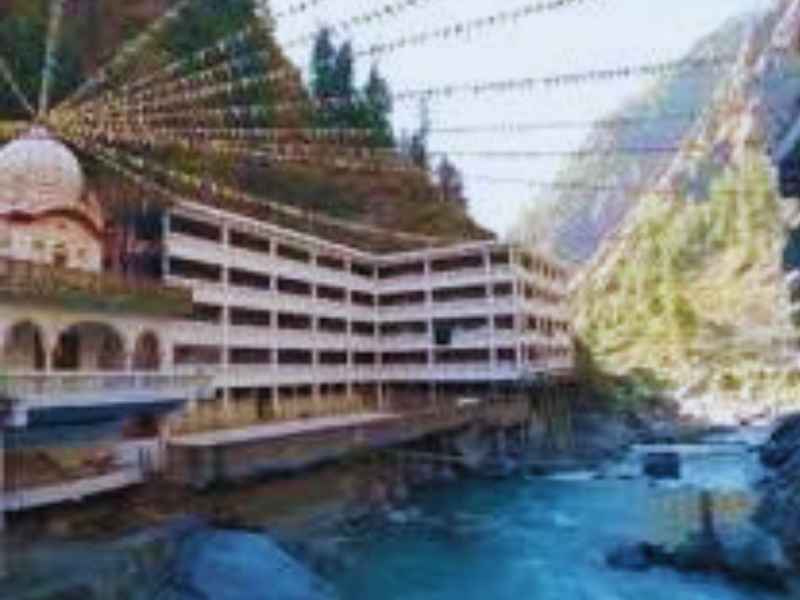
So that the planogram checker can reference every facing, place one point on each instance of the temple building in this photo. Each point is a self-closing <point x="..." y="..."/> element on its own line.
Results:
<point x="243" y="322"/>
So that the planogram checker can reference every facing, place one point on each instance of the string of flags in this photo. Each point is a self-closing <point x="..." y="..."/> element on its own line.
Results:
<point x="467" y="28"/>
<point x="227" y="90"/>
<point x="13" y="84"/>
<point x="54" y="27"/>
<point x="127" y="52"/>
<point x="512" y="127"/>
<point x="229" y="48"/>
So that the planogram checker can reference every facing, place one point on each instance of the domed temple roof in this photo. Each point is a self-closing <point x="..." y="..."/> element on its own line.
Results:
<point x="38" y="173"/>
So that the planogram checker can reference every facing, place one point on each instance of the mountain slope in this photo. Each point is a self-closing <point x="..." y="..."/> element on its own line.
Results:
<point x="698" y="301"/>
<point x="578" y="220"/>
<point x="690" y="294"/>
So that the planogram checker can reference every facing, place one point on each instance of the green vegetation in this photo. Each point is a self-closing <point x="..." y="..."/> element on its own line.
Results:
<point x="408" y="200"/>
<point x="693" y="294"/>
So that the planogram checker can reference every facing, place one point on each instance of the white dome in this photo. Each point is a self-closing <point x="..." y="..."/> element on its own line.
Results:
<point x="38" y="173"/>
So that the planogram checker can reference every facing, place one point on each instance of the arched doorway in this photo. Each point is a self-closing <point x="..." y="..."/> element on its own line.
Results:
<point x="24" y="349"/>
<point x="147" y="354"/>
<point x="90" y="347"/>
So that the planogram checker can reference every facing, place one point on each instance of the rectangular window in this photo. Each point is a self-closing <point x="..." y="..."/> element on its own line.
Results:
<point x="242" y="278"/>
<point x="192" y="269"/>
<point x="249" y="317"/>
<point x="199" y="229"/>
<point x="248" y="241"/>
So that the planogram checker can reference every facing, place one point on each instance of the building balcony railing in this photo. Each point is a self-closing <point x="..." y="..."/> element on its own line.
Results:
<point x="194" y="248"/>
<point x="419" y="281"/>
<point x="39" y="390"/>
<point x="25" y="281"/>
<point x="262" y="262"/>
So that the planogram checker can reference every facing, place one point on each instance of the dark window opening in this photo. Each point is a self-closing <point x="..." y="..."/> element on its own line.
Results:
<point x="206" y="313"/>
<point x="294" y="287"/>
<point x="292" y="253"/>
<point x="295" y="357"/>
<point x="331" y="294"/>
<point x="329" y="325"/>
<point x="393" y="271"/>
<point x="251" y="242"/>
<point x="294" y="321"/>
<point x="242" y="278"/>
<point x="198" y="229"/>
<point x="192" y="269"/>
<point x="249" y="317"/>
<point x="250" y="356"/>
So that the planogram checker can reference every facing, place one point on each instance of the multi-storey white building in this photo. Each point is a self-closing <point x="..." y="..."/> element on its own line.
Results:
<point x="277" y="313"/>
<point x="246" y="314"/>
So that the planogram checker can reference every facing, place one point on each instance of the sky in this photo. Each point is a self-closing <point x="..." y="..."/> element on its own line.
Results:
<point x="589" y="35"/>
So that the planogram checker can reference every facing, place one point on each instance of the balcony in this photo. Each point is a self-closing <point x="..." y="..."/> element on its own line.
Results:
<point x="38" y="391"/>
<point x="194" y="248"/>
<point x="25" y="281"/>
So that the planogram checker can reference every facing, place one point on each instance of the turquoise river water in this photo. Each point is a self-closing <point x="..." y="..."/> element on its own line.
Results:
<point x="516" y="539"/>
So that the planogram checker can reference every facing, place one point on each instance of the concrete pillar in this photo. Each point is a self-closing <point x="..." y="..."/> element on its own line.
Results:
<point x="165" y="227"/>
<point x="226" y="313"/>
<point x="276" y="401"/>
<point x="49" y="357"/>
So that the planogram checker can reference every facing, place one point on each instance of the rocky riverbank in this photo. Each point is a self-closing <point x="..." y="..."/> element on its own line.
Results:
<point x="779" y="511"/>
<point x="761" y="550"/>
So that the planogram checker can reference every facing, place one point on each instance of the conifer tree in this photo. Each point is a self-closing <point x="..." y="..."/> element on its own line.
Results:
<point x="377" y="108"/>
<point x="323" y="66"/>
<point x="451" y="182"/>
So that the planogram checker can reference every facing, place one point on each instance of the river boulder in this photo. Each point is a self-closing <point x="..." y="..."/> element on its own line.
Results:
<point x="753" y="555"/>
<point x="232" y="565"/>
<point x="779" y="510"/>
<point x="783" y="444"/>
<point x="639" y="556"/>
<point x="662" y="465"/>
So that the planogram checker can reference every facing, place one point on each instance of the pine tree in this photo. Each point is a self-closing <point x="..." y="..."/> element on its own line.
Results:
<point x="323" y="66"/>
<point x="343" y="88"/>
<point x="451" y="182"/>
<point x="418" y="147"/>
<point x="377" y="108"/>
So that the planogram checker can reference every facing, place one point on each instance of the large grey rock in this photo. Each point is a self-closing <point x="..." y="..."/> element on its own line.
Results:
<point x="779" y="513"/>
<point x="779" y="509"/>
<point x="783" y="444"/>
<point x="753" y="555"/>
<point x="232" y="565"/>
<point x="699" y="552"/>
<point x="662" y="465"/>
<point x="598" y="437"/>
<point x="640" y="556"/>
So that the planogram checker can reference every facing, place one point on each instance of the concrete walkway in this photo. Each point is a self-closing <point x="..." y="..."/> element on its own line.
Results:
<point x="281" y="430"/>
<point x="73" y="491"/>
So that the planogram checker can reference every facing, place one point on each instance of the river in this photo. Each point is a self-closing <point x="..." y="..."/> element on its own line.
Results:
<point x="541" y="538"/>
<point x="545" y="538"/>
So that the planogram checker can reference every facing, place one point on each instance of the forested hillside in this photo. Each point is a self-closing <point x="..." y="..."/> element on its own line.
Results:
<point x="373" y="193"/>
<point x="698" y="306"/>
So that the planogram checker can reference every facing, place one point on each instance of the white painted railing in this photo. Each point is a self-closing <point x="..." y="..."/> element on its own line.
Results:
<point x="190" y="247"/>
<point x="56" y="389"/>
